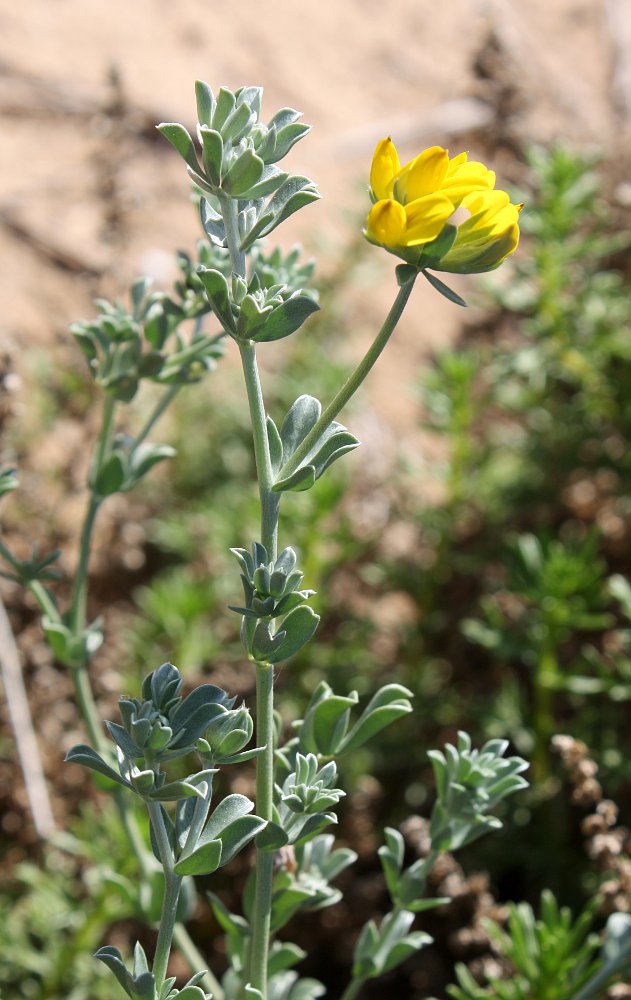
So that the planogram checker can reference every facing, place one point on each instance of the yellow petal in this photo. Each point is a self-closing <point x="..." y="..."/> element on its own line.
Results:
<point x="455" y="161"/>
<point x="386" y="223"/>
<point x="465" y="177"/>
<point x="385" y="166"/>
<point x="491" y="214"/>
<point x="422" y="175"/>
<point x="475" y="257"/>
<point x="425" y="218"/>
<point x="485" y="239"/>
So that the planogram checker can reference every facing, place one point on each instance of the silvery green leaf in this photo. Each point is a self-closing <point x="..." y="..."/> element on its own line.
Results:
<point x="325" y="723"/>
<point x="272" y="838"/>
<point x="223" y="108"/>
<point x="208" y="697"/>
<point x="287" y="137"/>
<point x="212" y="154"/>
<point x="294" y="193"/>
<point x="179" y="137"/>
<point x="144" y="457"/>
<point x="286" y="318"/>
<point x="302" y="416"/>
<point x="124" y="741"/>
<point x="252" y="319"/>
<point x="271" y="179"/>
<point x="441" y="287"/>
<point x="284" y="117"/>
<point x="143" y="781"/>
<point x="162" y="684"/>
<point x="308" y="827"/>
<point x="252" y="96"/>
<point x="382" y="948"/>
<point x="111" y="476"/>
<point x="112" y="957"/>
<point x="243" y="174"/>
<point x="298" y="627"/>
<point x="230" y="923"/>
<point x="386" y="706"/>
<point x="229" y="809"/>
<point x="335" y="442"/>
<point x="173" y="791"/>
<point x="284" y="955"/>
<point x="213" y="223"/>
<point x="264" y="644"/>
<point x="617" y="943"/>
<point x="238" y="834"/>
<point x="405" y="273"/>
<point x="204" y="860"/>
<point x="185" y="813"/>
<point x="140" y="960"/>
<point x="265" y="142"/>
<point x="191" y="993"/>
<point x="307" y="989"/>
<point x="205" y="102"/>
<point x="275" y="445"/>
<point x="82" y="754"/>
<point x="302" y="479"/>
<point x="238" y="123"/>
<point x="197" y="978"/>
<point x="219" y="296"/>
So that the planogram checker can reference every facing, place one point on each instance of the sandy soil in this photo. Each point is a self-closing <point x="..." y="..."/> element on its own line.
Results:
<point x="90" y="195"/>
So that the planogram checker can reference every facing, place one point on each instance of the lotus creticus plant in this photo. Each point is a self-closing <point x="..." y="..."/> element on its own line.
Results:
<point x="164" y="754"/>
<point x="414" y="205"/>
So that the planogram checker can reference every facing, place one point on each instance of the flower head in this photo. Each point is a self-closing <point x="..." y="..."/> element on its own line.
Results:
<point x="413" y="206"/>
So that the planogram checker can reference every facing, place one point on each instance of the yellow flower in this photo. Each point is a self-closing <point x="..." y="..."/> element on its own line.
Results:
<point x="487" y="237"/>
<point x="414" y="203"/>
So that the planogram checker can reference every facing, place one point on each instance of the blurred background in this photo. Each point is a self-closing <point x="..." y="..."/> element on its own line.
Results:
<point x="477" y="545"/>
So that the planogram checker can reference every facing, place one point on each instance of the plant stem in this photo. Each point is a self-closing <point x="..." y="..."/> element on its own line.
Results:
<point x="87" y="706"/>
<point x="160" y="407"/>
<point x="353" y="383"/>
<point x="259" y="946"/>
<point x="547" y="670"/>
<point x="45" y="601"/>
<point x="269" y="500"/>
<point x="77" y="615"/>
<point x="172" y="883"/>
<point x="230" y="215"/>
<point x="352" y="989"/>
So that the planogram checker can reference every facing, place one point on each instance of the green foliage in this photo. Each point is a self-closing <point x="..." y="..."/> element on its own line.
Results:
<point x="553" y="957"/>
<point x="53" y="921"/>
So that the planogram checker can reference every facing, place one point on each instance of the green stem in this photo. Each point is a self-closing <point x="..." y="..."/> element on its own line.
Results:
<point x="161" y="406"/>
<point x="87" y="706"/>
<point x="352" y="989"/>
<point x="353" y="383"/>
<point x="259" y="947"/>
<point x="546" y="671"/>
<point x="45" y="601"/>
<point x="270" y="501"/>
<point x="77" y="615"/>
<point x="230" y="215"/>
<point x="172" y="883"/>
